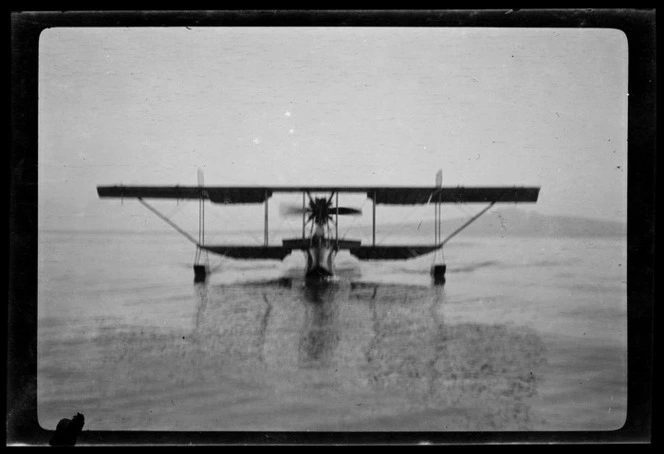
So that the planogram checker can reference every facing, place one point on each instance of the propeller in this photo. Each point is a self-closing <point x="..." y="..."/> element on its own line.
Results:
<point x="317" y="206"/>
<point x="292" y="210"/>
<point x="348" y="211"/>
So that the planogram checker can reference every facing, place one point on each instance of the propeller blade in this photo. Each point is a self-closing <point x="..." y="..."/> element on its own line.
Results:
<point x="329" y="201"/>
<point x="292" y="210"/>
<point x="347" y="211"/>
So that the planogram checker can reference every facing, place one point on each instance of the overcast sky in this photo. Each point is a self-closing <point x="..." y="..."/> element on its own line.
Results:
<point x="334" y="106"/>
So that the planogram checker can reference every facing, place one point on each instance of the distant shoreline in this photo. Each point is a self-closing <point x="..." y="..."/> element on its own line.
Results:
<point x="500" y="223"/>
<point x="278" y="235"/>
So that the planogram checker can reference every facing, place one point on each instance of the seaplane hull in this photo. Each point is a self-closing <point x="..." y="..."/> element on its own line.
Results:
<point x="320" y="262"/>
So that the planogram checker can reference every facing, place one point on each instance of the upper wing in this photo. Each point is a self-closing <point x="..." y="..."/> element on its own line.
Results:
<point x="390" y="195"/>
<point x="460" y="194"/>
<point x="402" y="195"/>
<point x="249" y="194"/>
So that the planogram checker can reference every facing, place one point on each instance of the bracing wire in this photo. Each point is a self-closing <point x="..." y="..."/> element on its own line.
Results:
<point x="281" y="223"/>
<point x="460" y="207"/>
<point x="401" y="225"/>
<point x="176" y="210"/>
<point x="353" y="222"/>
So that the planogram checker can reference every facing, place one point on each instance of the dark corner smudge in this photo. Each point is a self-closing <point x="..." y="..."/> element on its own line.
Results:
<point x="67" y="431"/>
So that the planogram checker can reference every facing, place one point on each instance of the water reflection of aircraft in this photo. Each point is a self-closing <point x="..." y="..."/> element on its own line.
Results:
<point x="321" y="331"/>
<point x="243" y="335"/>
<point x="320" y="215"/>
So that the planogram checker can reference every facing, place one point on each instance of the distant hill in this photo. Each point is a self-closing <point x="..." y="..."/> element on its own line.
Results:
<point x="502" y="221"/>
<point x="520" y="223"/>
<point x="496" y="222"/>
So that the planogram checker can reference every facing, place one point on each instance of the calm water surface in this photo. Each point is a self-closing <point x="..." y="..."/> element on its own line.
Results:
<point x="527" y="334"/>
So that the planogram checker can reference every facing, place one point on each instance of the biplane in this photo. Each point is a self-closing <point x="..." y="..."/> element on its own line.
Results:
<point x="320" y="216"/>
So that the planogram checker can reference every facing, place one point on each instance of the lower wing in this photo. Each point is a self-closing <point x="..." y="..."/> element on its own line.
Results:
<point x="250" y="252"/>
<point x="391" y="252"/>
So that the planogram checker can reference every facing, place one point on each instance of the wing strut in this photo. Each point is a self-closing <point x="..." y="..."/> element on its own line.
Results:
<point x="201" y="221"/>
<point x="336" y="223"/>
<point x="374" y="218"/>
<point x="168" y="221"/>
<point x="266" y="198"/>
<point x="436" y="220"/>
<point x="466" y="224"/>
<point x="304" y="213"/>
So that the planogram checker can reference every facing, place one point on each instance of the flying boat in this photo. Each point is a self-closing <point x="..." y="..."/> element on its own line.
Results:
<point x="320" y="240"/>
